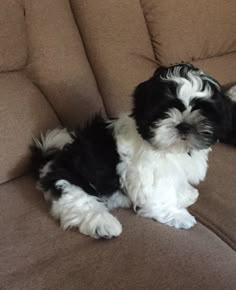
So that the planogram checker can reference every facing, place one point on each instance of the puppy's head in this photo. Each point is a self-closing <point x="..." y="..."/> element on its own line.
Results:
<point x="179" y="109"/>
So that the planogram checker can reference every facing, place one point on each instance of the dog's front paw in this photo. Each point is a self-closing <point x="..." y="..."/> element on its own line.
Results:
<point x="101" y="225"/>
<point x="108" y="229"/>
<point x="182" y="220"/>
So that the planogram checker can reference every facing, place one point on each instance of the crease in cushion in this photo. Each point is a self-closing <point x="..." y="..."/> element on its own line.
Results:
<point x="218" y="230"/>
<point x="58" y="62"/>
<point x="190" y="30"/>
<point x="216" y="204"/>
<point x="36" y="253"/>
<point x="24" y="112"/>
<point x="13" y="48"/>
<point x="116" y="40"/>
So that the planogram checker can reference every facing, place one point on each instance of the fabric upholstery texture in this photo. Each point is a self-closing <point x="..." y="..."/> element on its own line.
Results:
<point x="13" y="45"/>
<point x="61" y="62"/>
<point x="116" y="39"/>
<point x="24" y="112"/>
<point x="222" y="68"/>
<point x="190" y="30"/>
<point x="123" y="52"/>
<point x="37" y="254"/>
<point x="58" y="63"/>
<point x="216" y="205"/>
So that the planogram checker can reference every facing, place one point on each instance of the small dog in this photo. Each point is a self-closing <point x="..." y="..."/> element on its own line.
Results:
<point x="149" y="159"/>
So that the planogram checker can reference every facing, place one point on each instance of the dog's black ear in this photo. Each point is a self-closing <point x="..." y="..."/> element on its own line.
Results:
<point x="150" y="101"/>
<point x="227" y="132"/>
<point x="223" y="115"/>
<point x="143" y="106"/>
<point x="141" y="98"/>
<point x="151" y="94"/>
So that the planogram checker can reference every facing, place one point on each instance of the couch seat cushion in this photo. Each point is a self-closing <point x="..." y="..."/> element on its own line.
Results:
<point x="37" y="254"/>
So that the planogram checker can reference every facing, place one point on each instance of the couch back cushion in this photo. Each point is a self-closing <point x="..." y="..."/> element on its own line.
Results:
<point x="45" y="77"/>
<point x="118" y="46"/>
<point x="13" y="45"/>
<point x="24" y="112"/>
<point x="126" y="40"/>
<point x="58" y="63"/>
<point x="189" y="30"/>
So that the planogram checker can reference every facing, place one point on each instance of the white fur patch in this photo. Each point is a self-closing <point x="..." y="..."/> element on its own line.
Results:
<point x="56" y="138"/>
<point x="190" y="87"/>
<point x="117" y="200"/>
<point x="75" y="208"/>
<point x="158" y="182"/>
<point x="45" y="169"/>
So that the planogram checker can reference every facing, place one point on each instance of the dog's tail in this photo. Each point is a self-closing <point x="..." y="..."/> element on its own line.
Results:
<point x="45" y="148"/>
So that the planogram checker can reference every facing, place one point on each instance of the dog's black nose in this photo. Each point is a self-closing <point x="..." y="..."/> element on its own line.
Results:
<point x="184" y="128"/>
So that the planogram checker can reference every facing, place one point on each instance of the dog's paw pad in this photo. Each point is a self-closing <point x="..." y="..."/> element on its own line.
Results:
<point x="101" y="226"/>
<point x="108" y="227"/>
<point x="183" y="220"/>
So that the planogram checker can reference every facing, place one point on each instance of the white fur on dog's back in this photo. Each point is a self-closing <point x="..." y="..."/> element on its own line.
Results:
<point x="56" y="138"/>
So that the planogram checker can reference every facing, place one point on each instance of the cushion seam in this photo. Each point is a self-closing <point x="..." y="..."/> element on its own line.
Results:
<point x="26" y="173"/>
<point x="88" y="59"/>
<point x="149" y="33"/>
<point x="47" y="99"/>
<point x="28" y="64"/>
<point x="192" y="59"/>
<point x="214" y="229"/>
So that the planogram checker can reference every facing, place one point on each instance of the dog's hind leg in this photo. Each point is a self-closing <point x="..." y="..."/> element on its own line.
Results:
<point x="77" y="209"/>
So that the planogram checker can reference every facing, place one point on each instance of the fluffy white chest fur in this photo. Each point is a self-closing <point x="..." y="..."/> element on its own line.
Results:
<point x="159" y="183"/>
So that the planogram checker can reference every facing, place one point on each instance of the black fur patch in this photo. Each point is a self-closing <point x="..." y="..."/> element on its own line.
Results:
<point x="89" y="162"/>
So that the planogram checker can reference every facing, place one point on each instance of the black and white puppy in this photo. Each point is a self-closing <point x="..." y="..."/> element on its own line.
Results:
<point x="149" y="159"/>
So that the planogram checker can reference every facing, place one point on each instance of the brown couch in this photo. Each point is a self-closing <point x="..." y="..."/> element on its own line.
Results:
<point x="61" y="61"/>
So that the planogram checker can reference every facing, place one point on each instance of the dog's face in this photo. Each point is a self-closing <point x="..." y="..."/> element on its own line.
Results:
<point x="179" y="109"/>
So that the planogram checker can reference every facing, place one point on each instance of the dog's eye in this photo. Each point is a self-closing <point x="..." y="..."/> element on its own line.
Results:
<point x="181" y="107"/>
<point x="199" y="104"/>
<point x="207" y="108"/>
<point x="195" y="108"/>
<point x="178" y="105"/>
